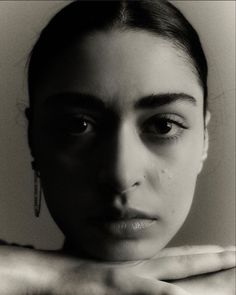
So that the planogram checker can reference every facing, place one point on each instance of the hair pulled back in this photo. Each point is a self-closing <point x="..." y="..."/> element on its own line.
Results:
<point x="80" y="18"/>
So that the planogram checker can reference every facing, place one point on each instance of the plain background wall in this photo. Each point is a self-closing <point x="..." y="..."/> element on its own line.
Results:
<point x="212" y="219"/>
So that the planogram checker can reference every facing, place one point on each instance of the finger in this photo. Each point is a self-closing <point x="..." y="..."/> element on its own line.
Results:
<point x="218" y="283"/>
<point x="183" y="266"/>
<point x="148" y="287"/>
<point x="190" y="250"/>
<point x="135" y="285"/>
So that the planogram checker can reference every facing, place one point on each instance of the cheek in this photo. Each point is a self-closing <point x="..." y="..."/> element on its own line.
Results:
<point x="177" y="175"/>
<point x="62" y="182"/>
<point x="175" y="197"/>
<point x="70" y="179"/>
<point x="67" y="161"/>
<point x="178" y="191"/>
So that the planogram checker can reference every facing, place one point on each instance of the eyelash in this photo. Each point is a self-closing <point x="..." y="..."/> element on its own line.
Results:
<point x="148" y="128"/>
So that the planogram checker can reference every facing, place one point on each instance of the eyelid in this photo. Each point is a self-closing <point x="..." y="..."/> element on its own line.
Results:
<point x="83" y="117"/>
<point x="172" y="117"/>
<point x="76" y="115"/>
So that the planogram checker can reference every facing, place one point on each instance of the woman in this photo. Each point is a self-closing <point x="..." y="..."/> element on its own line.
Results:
<point x="118" y="131"/>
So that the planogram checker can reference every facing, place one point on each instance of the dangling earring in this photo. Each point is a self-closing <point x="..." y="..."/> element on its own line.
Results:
<point x="37" y="194"/>
<point x="37" y="190"/>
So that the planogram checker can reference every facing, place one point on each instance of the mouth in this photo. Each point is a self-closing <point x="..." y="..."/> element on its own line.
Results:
<point x="131" y="223"/>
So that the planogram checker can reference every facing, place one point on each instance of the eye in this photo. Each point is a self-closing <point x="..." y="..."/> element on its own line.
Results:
<point x="76" y="126"/>
<point x="164" y="127"/>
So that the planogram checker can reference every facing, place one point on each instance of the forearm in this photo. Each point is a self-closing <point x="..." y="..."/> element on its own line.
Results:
<point x="22" y="271"/>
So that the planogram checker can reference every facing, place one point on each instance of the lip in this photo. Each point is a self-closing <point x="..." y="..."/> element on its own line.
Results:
<point x="130" y="223"/>
<point x="126" y="228"/>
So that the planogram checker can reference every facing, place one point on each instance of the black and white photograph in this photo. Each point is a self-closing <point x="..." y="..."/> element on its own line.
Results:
<point x="117" y="147"/>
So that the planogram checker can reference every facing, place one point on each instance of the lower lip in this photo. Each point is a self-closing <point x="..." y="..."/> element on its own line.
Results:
<point x="129" y="228"/>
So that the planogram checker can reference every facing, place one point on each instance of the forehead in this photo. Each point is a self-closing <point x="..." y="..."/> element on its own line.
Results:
<point x="119" y="66"/>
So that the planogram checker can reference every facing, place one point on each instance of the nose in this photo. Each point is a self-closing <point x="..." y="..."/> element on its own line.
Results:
<point x="125" y="162"/>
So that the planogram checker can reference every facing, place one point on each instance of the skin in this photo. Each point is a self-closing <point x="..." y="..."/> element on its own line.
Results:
<point x="130" y="155"/>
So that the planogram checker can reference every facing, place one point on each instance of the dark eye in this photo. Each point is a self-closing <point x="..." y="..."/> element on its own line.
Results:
<point x="161" y="127"/>
<point x="80" y="126"/>
<point x="76" y="126"/>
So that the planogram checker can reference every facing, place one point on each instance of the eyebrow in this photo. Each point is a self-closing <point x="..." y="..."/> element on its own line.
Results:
<point x="158" y="100"/>
<point x="93" y="103"/>
<point x="75" y="100"/>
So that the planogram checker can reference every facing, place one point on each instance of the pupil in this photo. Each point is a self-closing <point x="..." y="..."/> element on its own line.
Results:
<point x="163" y="126"/>
<point x="82" y="126"/>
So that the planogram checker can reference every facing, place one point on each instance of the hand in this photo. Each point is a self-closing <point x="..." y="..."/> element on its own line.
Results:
<point x="53" y="273"/>
<point x="183" y="262"/>
<point x="196" y="264"/>
<point x="110" y="281"/>
<point x="220" y="282"/>
<point x="197" y="269"/>
<point x="31" y="272"/>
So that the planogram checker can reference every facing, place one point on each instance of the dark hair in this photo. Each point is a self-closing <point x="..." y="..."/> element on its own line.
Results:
<point x="82" y="17"/>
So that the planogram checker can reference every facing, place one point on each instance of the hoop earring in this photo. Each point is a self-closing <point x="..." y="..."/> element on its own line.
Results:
<point x="37" y="194"/>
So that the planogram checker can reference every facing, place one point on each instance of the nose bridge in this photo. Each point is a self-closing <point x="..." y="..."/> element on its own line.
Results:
<point x="129" y="162"/>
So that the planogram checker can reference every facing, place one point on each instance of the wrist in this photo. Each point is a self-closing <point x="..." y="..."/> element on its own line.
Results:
<point x="39" y="270"/>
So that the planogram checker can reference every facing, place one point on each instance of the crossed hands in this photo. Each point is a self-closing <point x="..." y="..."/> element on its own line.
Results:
<point x="191" y="270"/>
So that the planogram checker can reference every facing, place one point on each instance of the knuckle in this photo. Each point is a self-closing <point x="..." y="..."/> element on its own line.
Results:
<point x="186" y="264"/>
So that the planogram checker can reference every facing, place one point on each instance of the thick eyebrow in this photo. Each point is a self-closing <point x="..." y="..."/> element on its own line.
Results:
<point x="157" y="100"/>
<point x="74" y="100"/>
<point x="87" y="101"/>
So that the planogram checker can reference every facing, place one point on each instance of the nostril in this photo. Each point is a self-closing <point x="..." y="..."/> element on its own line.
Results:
<point x="131" y="188"/>
<point x="136" y="183"/>
<point x="112" y="186"/>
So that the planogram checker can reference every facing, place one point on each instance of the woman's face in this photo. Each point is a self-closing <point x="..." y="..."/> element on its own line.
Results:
<point x="119" y="142"/>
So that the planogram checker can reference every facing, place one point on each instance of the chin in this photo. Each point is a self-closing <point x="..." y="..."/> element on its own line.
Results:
<point x="124" y="250"/>
<point x="119" y="244"/>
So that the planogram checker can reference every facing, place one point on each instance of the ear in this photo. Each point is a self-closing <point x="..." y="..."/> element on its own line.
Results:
<point x="206" y="141"/>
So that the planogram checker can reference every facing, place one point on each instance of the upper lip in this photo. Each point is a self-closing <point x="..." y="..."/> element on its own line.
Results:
<point x="126" y="214"/>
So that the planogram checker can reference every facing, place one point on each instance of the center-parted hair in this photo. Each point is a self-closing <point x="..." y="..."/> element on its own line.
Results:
<point x="80" y="18"/>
